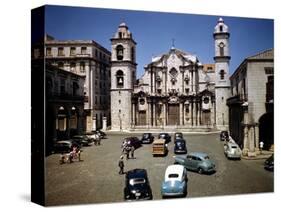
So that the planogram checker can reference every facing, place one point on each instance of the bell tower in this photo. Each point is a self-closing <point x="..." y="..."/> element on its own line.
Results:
<point x="222" y="82"/>
<point x="123" y="77"/>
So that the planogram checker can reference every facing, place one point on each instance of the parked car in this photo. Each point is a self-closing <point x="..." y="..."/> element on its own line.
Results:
<point x="100" y="133"/>
<point x="269" y="163"/>
<point x="178" y="135"/>
<point x="65" y="146"/>
<point x="147" y="138"/>
<point x="175" y="182"/>
<point x="159" y="147"/>
<point x="165" y="136"/>
<point x="137" y="185"/>
<point x="133" y="141"/>
<point x="232" y="150"/>
<point x="180" y="146"/>
<point x="224" y="136"/>
<point x="196" y="161"/>
<point x="82" y="140"/>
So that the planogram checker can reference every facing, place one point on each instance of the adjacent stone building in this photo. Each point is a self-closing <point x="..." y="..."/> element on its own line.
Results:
<point x="89" y="59"/>
<point x="176" y="89"/>
<point x="251" y="102"/>
<point x="64" y="104"/>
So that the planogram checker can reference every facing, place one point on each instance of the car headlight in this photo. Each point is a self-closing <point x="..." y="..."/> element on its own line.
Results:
<point x="134" y="191"/>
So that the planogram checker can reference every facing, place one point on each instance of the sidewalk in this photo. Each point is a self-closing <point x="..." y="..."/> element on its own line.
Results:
<point x="263" y="156"/>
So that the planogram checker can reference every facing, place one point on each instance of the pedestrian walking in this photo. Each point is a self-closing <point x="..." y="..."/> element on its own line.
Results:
<point x="132" y="152"/>
<point x="261" y="146"/>
<point x="127" y="151"/>
<point x="121" y="165"/>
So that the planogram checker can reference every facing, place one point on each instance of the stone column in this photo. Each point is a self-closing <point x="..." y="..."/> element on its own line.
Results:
<point x="251" y="141"/>
<point x="80" y="122"/>
<point x="257" y="138"/>
<point x="181" y="113"/>
<point x="95" y="124"/>
<point x="68" y="125"/>
<point x="212" y="113"/>
<point x="154" y="114"/>
<point x="194" y="113"/>
<point x="104" y="123"/>
<point x="134" y="115"/>
<point x="153" y="82"/>
<point x="164" y="114"/>
<point x="198" y="113"/>
<point x="148" y="121"/>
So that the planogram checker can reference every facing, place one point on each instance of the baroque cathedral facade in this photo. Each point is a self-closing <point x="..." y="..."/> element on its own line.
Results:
<point x="176" y="89"/>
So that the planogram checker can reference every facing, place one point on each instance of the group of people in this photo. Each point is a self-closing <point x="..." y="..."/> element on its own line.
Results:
<point x="75" y="153"/>
<point x="127" y="150"/>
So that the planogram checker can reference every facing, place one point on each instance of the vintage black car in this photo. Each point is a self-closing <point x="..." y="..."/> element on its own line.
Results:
<point x="137" y="186"/>
<point x="178" y="135"/>
<point x="165" y="136"/>
<point x="132" y="141"/>
<point x="147" y="138"/>
<point x="269" y="163"/>
<point x="65" y="146"/>
<point x="224" y="136"/>
<point x="180" y="146"/>
<point x="82" y="140"/>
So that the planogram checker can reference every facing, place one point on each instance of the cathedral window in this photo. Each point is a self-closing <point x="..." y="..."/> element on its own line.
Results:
<point x="221" y="28"/>
<point x="222" y="73"/>
<point x="221" y="45"/>
<point x="120" y="34"/>
<point x="120" y="52"/>
<point x="120" y="79"/>
<point x="133" y="54"/>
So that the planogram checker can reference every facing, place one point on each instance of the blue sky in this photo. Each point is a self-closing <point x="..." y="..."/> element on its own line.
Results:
<point x="154" y="31"/>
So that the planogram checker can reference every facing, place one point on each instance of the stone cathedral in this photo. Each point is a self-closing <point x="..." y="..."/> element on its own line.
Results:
<point x="176" y="90"/>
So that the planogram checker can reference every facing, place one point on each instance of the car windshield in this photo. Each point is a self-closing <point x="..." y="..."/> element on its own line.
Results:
<point x="173" y="176"/>
<point x="161" y="135"/>
<point x="145" y="135"/>
<point x="180" y="143"/>
<point x="137" y="181"/>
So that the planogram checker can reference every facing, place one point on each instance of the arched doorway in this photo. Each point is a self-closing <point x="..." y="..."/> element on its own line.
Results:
<point x="61" y="123"/>
<point x="73" y="122"/>
<point x="266" y="130"/>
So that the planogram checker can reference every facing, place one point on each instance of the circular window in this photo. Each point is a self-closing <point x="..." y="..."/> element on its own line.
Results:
<point x="142" y="101"/>
<point x="206" y="100"/>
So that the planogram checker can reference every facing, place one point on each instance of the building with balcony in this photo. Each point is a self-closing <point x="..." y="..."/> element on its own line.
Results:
<point x="251" y="102"/>
<point x="65" y="115"/>
<point x="89" y="59"/>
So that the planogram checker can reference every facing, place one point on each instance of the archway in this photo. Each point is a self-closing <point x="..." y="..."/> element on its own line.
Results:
<point x="266" y="130"/>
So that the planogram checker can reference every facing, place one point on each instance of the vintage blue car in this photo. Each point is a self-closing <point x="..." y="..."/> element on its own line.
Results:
<point x="196" y="161"/>
<point x="175" y="182"/>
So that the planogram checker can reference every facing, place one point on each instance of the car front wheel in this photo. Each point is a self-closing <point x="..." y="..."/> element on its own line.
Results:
<point x="200" y="171"/>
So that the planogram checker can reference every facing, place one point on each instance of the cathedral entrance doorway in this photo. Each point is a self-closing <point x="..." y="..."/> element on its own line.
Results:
<point x="173" y="114"/>
<point x="142" y="118"/>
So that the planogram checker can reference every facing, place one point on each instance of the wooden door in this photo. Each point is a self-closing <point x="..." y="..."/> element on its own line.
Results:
<point x="173" y="115"/>
<point x="142" y="118"/>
